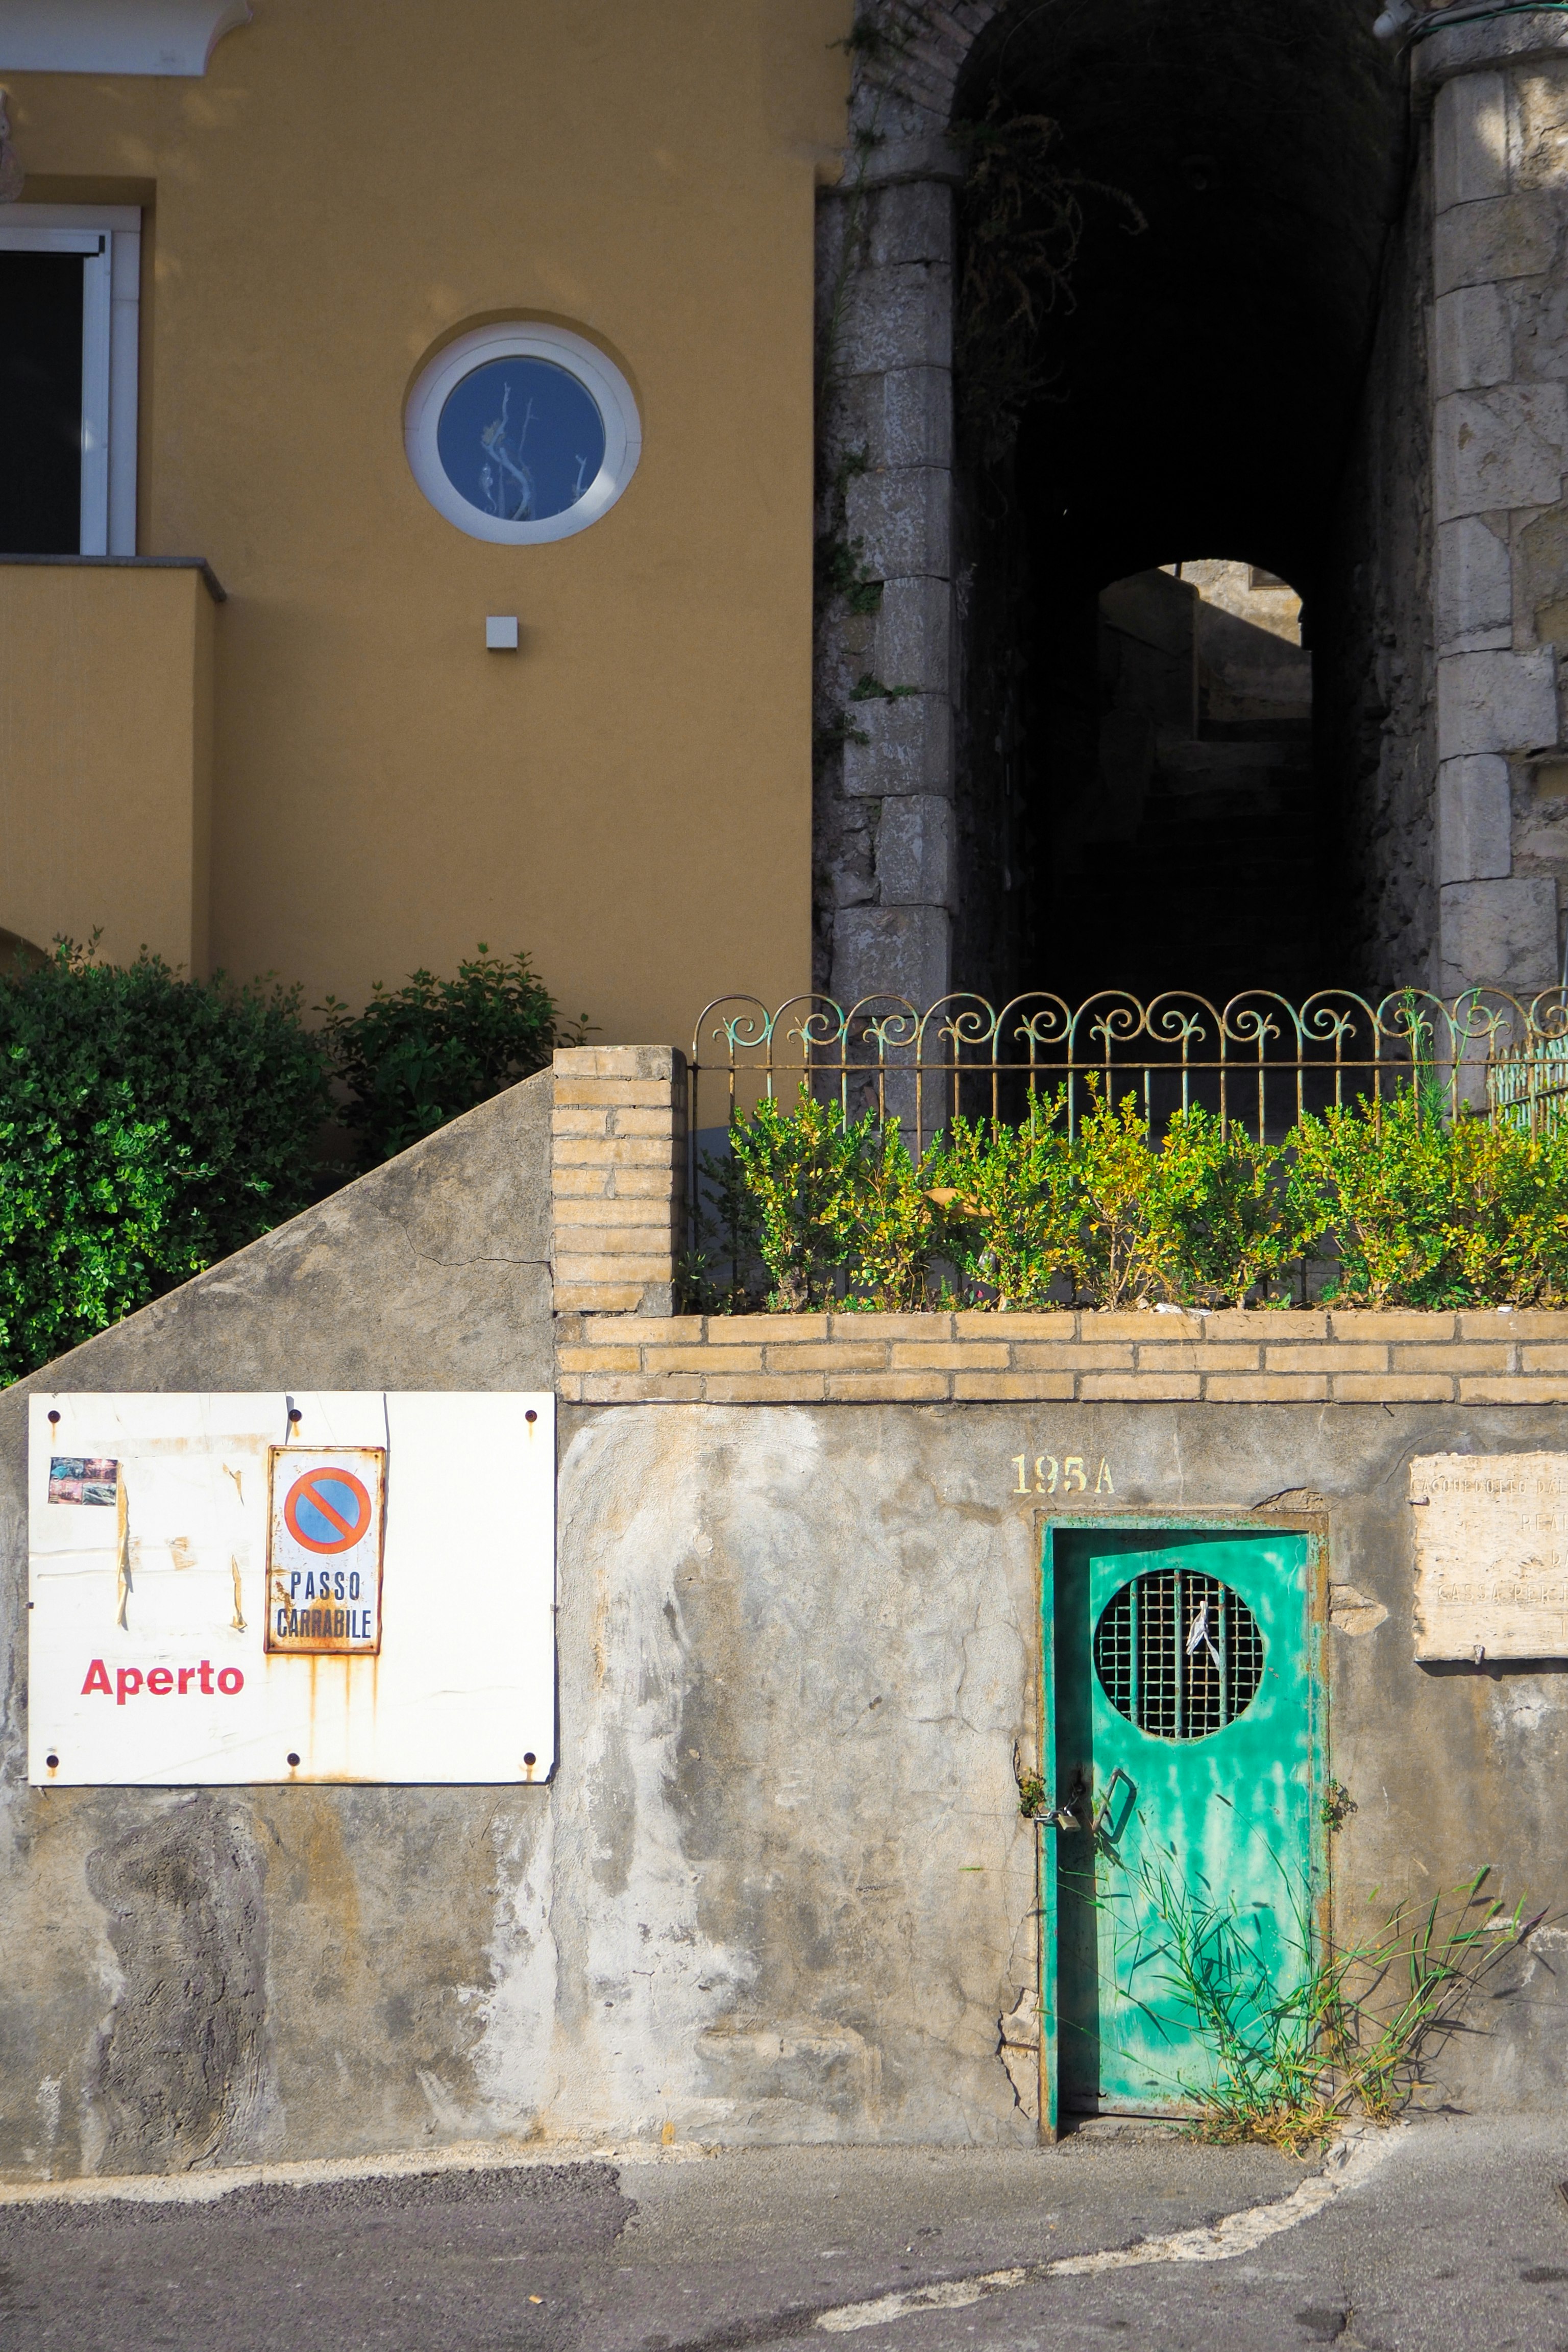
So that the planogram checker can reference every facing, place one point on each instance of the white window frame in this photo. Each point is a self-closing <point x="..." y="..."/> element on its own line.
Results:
<point x="110" y="239"/>
<point x="524" y="339"/>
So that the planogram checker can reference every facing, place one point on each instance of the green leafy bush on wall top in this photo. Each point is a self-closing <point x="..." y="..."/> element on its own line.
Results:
<point x="813" y="1209"/>
<point x="148" y="1125"/>
<point x="420" y="1054"/>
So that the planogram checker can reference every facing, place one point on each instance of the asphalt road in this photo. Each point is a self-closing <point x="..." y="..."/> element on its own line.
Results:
<point x="1455" y="2235"/>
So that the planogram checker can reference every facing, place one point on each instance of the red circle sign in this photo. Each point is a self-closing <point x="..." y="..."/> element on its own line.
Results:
<point x="335" y="1509"/>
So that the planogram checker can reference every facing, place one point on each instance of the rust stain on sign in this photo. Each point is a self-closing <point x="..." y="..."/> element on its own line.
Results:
<point x="326" y="1513"/>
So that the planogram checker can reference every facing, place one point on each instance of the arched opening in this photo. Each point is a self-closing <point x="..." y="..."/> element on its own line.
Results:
<point x="1167" y="550"/>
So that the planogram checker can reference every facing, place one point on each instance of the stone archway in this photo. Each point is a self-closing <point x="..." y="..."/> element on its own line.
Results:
<point x="1441" y="708"/>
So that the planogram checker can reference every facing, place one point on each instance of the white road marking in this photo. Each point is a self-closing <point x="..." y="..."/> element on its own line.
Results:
<point x="1348" y="2163"/>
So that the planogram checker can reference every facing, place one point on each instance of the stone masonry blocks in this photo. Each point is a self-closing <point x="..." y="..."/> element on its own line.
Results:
<point x="900" y="516"/>
<point x="899" y="416"/>
<point x="892" y="952"/>
<point x="1503" y="931"/>
<point x="1501" y="448"/>
<point x="1500" y="454"/>
<point x="909" y="746"/>
<point x="1538" y="127"/>
<point x="1469" y="143"/>
<point x="1475" y="585"/>
<point x="1474" y="818"/>
<point x="1497" y="702"/>
<point x="1472" y="342"/>
<point x="1489" y="244"/>
<point x="900" y="317"/>
<point x="912" y="637"/>
<point x="910" y="221"/>
<point x="915" y="852"/>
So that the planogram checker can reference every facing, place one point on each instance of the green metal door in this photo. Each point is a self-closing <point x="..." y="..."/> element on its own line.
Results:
<point x="1180" y="1674"/>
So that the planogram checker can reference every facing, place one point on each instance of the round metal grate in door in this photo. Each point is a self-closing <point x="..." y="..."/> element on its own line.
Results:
<point x="1178" y="1654"/>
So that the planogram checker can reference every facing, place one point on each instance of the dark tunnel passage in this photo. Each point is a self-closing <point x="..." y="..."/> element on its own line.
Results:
<point x="1151" y="782"/>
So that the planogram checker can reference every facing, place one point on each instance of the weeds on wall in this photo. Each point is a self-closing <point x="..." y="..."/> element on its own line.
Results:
<point x="1021" y="224"/>
<point x="1294" y="2052"/>
<point x="1390" y="1204"/>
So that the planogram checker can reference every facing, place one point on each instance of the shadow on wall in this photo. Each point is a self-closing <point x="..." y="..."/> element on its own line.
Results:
<point x="1206" y="380"/>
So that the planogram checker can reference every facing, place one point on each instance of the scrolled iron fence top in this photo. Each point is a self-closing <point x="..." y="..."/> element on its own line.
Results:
<point x="1259" y="1060"/>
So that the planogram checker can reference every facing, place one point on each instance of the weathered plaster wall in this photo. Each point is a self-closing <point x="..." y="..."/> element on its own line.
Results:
<point x="779" y="1887"/>
<point x="796" y="1646"/>
<point x="192" y="1978"/>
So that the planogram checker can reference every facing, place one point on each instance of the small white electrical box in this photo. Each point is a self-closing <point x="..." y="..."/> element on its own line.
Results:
<point x="500" y="632"/>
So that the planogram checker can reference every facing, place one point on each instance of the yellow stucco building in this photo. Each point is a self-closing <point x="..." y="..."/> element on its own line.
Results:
<point x="293" y="735"/>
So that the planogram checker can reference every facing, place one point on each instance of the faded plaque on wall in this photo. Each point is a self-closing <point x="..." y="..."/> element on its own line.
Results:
<point x="1492" y="1554"/>
<point x="353" y="1585"/>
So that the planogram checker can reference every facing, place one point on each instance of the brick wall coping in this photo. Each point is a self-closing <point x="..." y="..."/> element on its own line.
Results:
<point x="1317" y="1356"/>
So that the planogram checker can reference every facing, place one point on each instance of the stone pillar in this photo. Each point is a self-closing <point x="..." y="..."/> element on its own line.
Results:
<point x="885" y="867"/>
<point x="617" y="1177"/>
<point x="1499" y="93"/>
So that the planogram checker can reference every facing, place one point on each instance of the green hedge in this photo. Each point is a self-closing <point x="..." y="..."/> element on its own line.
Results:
<point x="422" y="1054"/>
<point x="812" y="1209"/>
<point x="148" y="1125"/>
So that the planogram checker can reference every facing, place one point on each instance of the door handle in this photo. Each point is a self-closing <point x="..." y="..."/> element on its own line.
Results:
<point x="1102" y="1811"/>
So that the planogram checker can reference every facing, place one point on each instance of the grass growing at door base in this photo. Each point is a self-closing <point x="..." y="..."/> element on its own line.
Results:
<point x="1347" y="2036"/>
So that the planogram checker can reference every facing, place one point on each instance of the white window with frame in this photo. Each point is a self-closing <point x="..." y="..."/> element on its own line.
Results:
<point x="69" y="302"/>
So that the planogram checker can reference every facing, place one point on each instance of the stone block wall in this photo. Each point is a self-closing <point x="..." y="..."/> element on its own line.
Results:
<point x="1498" y="359"/>
<point x="885" y="884"/>
<point x="797" y="1646"/>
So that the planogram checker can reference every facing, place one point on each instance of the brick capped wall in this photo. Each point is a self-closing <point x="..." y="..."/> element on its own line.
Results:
<point x="1261" y="1357"/>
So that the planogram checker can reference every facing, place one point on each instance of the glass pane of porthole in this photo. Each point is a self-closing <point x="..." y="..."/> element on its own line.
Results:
<point x="1179" y="1654"/>
<point x="521" y="440"/>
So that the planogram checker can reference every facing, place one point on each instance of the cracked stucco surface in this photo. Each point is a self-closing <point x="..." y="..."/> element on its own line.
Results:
<point x="188" y="1980"/>
<point x="779" y="1889"/>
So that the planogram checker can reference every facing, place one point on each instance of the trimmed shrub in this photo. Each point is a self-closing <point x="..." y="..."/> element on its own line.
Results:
<point x="813" y="1209"/>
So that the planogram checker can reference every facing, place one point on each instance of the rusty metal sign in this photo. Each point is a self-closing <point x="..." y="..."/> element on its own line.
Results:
<point x="326" y="1511"/>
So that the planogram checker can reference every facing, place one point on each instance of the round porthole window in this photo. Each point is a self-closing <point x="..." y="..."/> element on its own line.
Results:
<point x="521" y="434"/>
<point x="1179" y="1654"/>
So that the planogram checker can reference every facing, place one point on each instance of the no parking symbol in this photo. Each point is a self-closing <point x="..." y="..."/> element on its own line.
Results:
<point x="324" y="1548"/>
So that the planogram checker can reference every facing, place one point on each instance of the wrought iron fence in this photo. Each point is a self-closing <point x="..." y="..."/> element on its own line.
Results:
<point x="1527" y="1084"/>
<point x="1258" y="1061"/>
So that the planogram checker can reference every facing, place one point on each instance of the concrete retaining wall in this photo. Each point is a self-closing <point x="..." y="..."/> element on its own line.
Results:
<point x="779" y="1887"/>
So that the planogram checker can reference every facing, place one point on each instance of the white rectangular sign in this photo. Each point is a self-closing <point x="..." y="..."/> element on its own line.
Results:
<point x="344" y="1586"/>
<point x="1492" y="1554"/>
